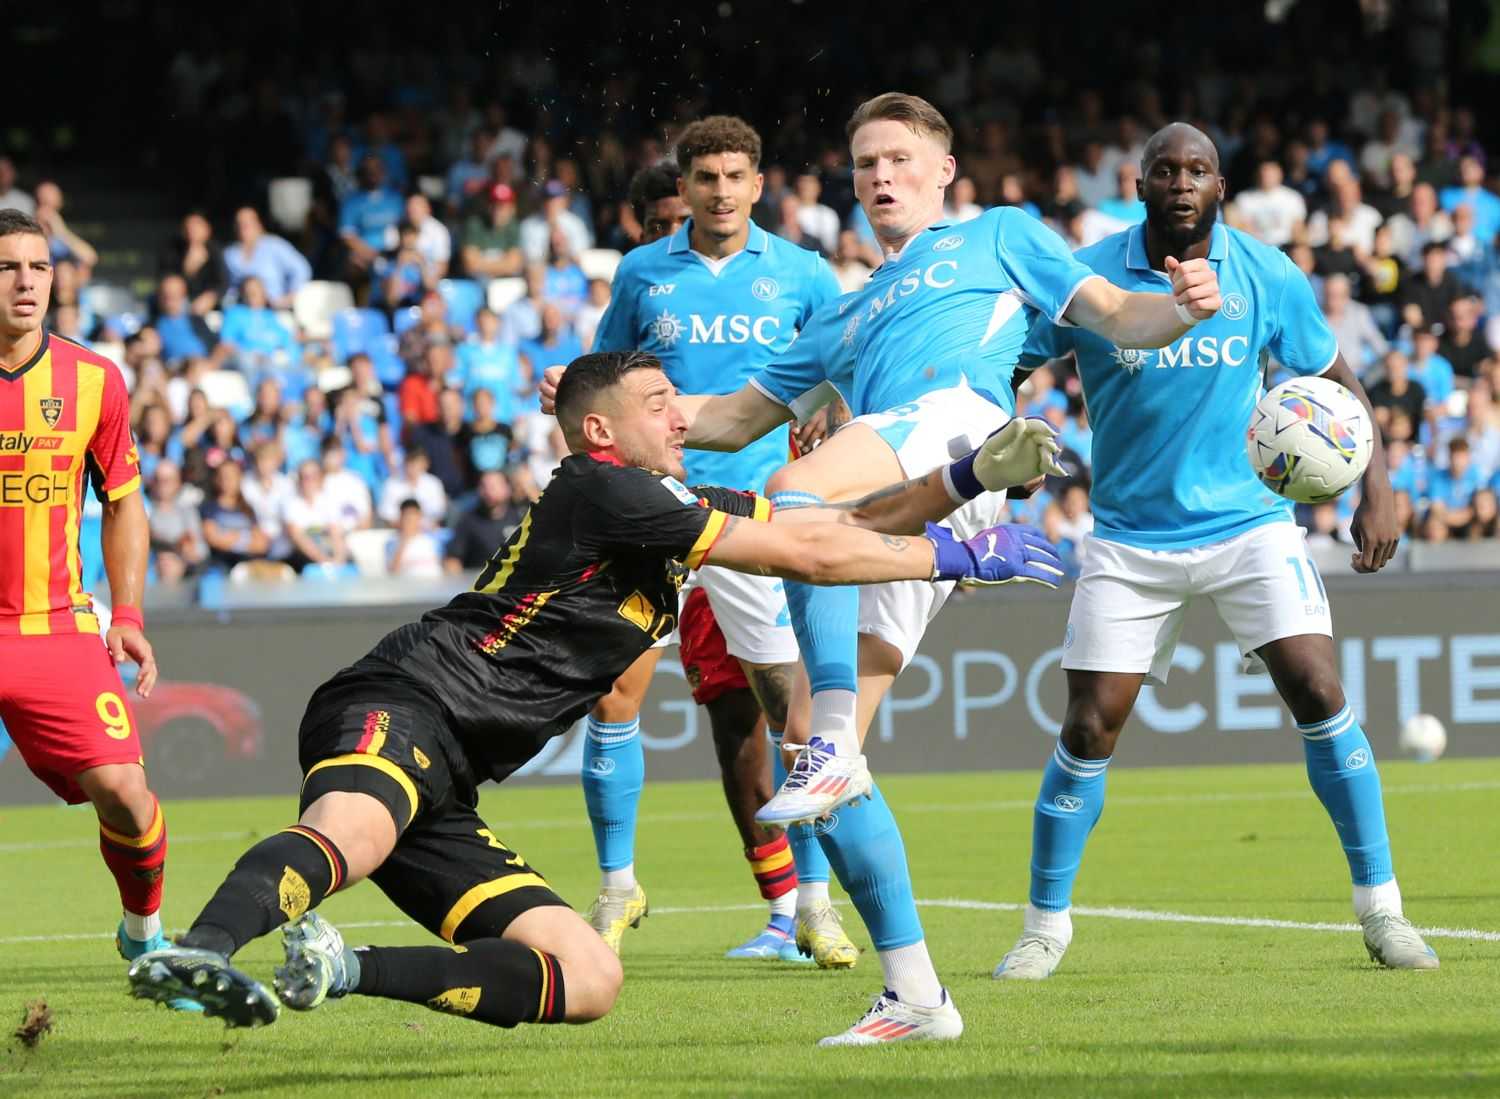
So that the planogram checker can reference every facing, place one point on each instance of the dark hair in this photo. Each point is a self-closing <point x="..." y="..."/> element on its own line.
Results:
<point x="718" y="133"/>
<point x="411" y="503"/>
<point x="652" y="184"/>
<point x="912" y="111"/>
<point x="14" y="221"/>
<point x="590" y="375"/>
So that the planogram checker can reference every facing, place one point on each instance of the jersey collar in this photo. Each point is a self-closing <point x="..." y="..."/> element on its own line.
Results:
<point x="36" y="357"/>
<point x="606" y="457"/>
<point x="1136" y="258"/>
<point x="681" y="241"/>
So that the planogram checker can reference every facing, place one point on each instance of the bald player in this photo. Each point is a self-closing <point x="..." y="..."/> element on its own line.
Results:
<point x="1179" y="514"/>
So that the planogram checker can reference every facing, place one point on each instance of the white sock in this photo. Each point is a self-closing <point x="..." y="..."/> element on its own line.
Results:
<point x="623" y="878"/>
<point x="1056" y="925"/>
<point x="1385" y="897"/>
<point x="909" y="974"/>
<point x="810" y="895"/>
<point x="786" y="904"/>
<point x="141" y="928"/>
<point x="833" y="719"/>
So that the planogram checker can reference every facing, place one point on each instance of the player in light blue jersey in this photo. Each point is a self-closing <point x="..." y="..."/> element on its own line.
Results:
<point x="1178" y="514"/>
<point x="923" y="354"/>
<point x="714" y="301"/>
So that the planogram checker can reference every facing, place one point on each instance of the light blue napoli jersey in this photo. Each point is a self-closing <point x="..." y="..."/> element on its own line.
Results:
<point x="953" y="306"/>
<point x="1170" y="470"/>
<point x="713" y="325"/>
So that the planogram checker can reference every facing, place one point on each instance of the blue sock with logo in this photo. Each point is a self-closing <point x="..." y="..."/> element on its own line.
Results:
<point x="1067" y="808"/>
<point x="614" y="770"/>
<point x="1341" y="768"/>
<point x="864" y="846"/>
<point x="825" y="619"/>
<point x="807" y="852"/>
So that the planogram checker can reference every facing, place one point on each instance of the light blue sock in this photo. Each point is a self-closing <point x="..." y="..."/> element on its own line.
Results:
<point x="1341" y="768"/>
<point x="864" y="845"/>
<point x="807" y="852"/>
<point x="1067" y="808"/>
<point x="825" y="619"/>
<point x="614" y="769"/>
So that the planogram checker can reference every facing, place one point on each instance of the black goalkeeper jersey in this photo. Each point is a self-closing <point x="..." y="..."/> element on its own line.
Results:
<point x="585" y="585"/>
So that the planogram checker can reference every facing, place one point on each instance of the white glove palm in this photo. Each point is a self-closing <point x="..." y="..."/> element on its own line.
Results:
<point x="1021" y="451"/>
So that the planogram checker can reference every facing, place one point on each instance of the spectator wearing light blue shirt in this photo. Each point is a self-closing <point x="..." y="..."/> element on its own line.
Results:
<point x="253" y="335"/>
<point x="1433" y="372"/>
<point x="279" y="267"/>
<point x="489" y="362"/>
<point x="368" y="218"/>
<point x="555" y="345"/>
<point x="1126" y="205"/>
<point x="1472" y="193"/>
<point x="1452" y="490"/>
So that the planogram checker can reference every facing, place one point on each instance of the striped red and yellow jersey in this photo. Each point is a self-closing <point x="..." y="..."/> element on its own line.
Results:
<point x="64" y="418"/>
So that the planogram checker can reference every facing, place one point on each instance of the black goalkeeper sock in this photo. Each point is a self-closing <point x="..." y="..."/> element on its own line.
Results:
<point x="496" y="981"/>
<point x="277" y="880"/>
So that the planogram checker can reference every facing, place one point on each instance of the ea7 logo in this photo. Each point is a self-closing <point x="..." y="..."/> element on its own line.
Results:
<point x="1068" y="803"/>
<point x="602" y="765"/>
<point x="1356" y="759"/>
<point x="660" y="288"/>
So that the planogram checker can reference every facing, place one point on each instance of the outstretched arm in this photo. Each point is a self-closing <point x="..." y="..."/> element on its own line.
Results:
<point x="830" y="553"/>
<point x="1019" y="452"/>
<point x="1135" y="319"/>
<point x="732" y="421"/>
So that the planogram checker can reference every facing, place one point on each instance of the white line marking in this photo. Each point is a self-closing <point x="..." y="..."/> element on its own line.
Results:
<point x="547" y="823"/>
<point x="1107" y="913"/>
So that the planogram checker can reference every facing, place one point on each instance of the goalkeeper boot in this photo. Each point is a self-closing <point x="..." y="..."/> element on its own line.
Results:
<point x="1393" y="942"/>
<point x="821" y="934"/>
<point x="318" y="965"/>
<point x="818" y="783"/>
<point x="206" y="978"/>
<point x="131" y="949"/>
<point x="614" y="910"/>
<point x="1033" y="958"/>
<point x="890" y="1020"/>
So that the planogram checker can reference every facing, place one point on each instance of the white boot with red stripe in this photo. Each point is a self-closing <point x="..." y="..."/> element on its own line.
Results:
<point x="818" y="783"/>
<point x="890" y="1020"/>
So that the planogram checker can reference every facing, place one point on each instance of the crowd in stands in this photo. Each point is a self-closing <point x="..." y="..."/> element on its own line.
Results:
<point x="398" y="431"/>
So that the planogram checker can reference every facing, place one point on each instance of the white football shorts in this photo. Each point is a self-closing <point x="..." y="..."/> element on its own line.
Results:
<point x="1129" y="603"/>
<point x="751" y="613"/>
<point x="926" y="434"/>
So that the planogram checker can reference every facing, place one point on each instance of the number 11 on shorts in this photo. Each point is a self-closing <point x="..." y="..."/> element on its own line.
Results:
<point x="1297" y="563"/>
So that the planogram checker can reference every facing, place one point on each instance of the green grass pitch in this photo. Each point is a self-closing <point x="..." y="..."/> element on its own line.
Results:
<point x="1142" y="1005"/>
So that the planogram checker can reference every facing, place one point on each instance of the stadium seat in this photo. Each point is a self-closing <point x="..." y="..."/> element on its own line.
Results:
<point x="228" y="389"/>
<point x="333" y="378"/>
<point x="406" y="318"/>
<point x="290" y="201"/>
<point x="599" y="263"/>
<point x="356" y="330"/>
<point x="107" y="301"/>
<point x="389" y="367"/>
<point x="464" y="298"/>
<point x="315" y="305"/>
<point x="503" y="293"/>
<point x="262" y="572"/>
<point x="369" y="550"/>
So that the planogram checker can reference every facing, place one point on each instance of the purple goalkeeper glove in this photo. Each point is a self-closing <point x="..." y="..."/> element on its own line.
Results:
<point x="1006" y="554"/>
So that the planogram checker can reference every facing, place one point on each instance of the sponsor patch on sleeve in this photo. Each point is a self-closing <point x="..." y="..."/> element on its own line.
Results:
<point x="680" y="490"/>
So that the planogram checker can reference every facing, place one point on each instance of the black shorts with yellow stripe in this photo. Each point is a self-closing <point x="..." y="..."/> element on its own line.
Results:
<point x="449" y="872"/>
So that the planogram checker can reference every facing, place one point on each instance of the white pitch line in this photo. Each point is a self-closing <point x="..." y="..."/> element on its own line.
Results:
<point x="548" y="823"/>
<point x="1107" y="913"/>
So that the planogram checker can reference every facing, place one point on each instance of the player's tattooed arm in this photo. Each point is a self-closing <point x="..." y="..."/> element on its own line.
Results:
<point x="819" y="552"/>
<point x="903" y="508"/>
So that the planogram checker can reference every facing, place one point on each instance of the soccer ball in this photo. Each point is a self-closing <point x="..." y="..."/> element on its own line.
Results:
<point x="1309" y="440"/>
<point x="1424" y="737"/>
